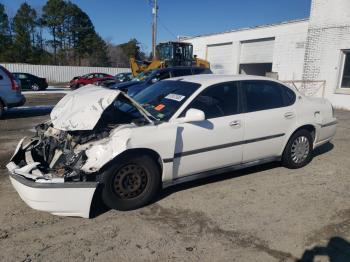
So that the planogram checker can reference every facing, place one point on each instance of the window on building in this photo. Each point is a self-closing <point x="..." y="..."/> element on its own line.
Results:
<point x="345" y="83"/>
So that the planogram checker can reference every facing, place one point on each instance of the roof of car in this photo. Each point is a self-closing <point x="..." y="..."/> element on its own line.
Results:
<point x="210" y="79"/>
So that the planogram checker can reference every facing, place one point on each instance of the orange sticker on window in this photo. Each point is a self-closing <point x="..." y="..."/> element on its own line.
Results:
<point x="159" y="107"/>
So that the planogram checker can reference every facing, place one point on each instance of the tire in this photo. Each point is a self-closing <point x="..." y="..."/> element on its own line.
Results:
<point x="2" y="109"/>
<point x="299" y="150"/>
<point x="131" y="183"/>
<point x="35" y="87"/>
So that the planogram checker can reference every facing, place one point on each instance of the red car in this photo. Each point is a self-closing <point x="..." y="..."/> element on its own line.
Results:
<point x="91" y="78"/>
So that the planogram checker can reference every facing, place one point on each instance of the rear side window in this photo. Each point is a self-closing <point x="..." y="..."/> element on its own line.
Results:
<point x="290" y="96"/>
<point x="181" y="72"/>
<point x="217" y="101"/>
<point x="262" y="95"/>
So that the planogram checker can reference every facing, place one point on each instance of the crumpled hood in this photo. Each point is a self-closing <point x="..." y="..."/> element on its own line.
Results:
<point x="82" y="108"/>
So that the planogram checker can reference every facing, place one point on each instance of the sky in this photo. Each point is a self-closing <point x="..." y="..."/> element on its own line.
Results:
<point x="120" y="20"/>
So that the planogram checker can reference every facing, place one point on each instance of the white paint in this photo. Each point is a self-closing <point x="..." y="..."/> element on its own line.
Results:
<point x="329" y="34"/>
<point x="174" y="137"/>
<point x="288" y="47"/>
<point x="255" y="52"/>
<point x="303" y="50"/>
<point x="57" y="201"/>
<point x="82" y="108"/>
<point x="221" y="58"/>
<point x="61" y="74"/>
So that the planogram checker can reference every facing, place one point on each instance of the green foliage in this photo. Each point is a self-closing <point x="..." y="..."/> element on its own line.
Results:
<point x="72" y="38"/>
<point x="5" y="37"/>
<point x="133" y="49"/>
<point x="24" y="24"/>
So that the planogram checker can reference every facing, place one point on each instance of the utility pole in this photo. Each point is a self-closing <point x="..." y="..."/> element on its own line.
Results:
<point x="154" y="27"/>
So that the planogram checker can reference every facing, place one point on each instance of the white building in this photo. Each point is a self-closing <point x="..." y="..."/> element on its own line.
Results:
<point x="314" y="53"/>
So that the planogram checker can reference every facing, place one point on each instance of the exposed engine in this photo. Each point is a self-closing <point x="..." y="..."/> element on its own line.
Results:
<point x="61" y="154"/>
<point x="56" y="152"/>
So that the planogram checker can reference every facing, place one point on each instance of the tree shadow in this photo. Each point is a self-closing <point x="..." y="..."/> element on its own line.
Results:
<point x="337" y="250"/>
<point x="25" y="112"/>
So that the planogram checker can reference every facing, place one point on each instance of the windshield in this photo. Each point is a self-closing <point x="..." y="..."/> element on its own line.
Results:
<point x="142" y="76"/>
<point x="164" y="98"/>
<point x="161" y="100"/>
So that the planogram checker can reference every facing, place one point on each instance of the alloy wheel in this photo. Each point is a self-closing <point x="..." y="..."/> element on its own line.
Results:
<point x="300" y="149"/>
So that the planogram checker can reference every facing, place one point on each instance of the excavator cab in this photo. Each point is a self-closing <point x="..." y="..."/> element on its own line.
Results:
<point x="175" y="54"/>
<point x="169" y="54"/>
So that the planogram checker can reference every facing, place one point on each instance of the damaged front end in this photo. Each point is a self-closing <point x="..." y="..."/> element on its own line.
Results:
<point x="57" y="170"/>
<point x="56" y="155"/>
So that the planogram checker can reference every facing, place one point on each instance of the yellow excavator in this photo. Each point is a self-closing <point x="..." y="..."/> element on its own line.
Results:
<point x="169" y="54"/>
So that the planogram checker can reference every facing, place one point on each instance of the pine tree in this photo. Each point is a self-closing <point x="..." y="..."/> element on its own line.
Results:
<point x="54" y="16"/>
<point x="24" y="24"/>
<point x="5" y="36"/>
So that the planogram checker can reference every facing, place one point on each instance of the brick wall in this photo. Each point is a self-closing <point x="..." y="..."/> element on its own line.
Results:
<point x="328" y="35"/>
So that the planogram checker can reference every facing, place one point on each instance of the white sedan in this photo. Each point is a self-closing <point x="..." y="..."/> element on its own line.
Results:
<point x="174" y="131"/>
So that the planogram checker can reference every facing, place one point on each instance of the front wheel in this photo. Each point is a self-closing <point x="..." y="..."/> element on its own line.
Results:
<point x="299" y="149"/>
<point x="130" y="183"/>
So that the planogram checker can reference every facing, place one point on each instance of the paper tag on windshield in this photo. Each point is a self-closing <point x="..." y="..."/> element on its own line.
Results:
<point x="175" y="97"/>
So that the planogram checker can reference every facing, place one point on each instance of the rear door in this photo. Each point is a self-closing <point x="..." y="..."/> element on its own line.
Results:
<point x="269" y="116"/>
<point x="215" y="142"/>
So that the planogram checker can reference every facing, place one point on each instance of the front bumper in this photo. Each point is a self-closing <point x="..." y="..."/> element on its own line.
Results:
<point x="54" y="196"/>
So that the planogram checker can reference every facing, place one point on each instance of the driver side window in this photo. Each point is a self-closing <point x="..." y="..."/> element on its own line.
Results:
<point x="217" y="101"/>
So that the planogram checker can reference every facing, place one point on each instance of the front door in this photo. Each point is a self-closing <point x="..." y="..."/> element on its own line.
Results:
<point x="213" y="143"/>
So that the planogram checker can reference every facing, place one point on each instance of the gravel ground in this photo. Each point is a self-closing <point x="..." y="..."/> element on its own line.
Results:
<point x="266" y="213"/>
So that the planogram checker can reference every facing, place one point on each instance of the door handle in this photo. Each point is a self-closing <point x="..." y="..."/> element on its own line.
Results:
<point x="236" y="124"/>
<point x="289" y="115"/>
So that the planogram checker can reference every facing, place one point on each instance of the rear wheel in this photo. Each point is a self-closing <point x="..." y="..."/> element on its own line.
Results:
<point x="298" y="152"/>
<point x="130" y="183"/>
<point x="35" y="87"/>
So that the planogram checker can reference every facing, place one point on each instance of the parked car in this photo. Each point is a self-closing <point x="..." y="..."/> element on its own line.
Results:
<point x="148" y="78"/>
<point x="80" y="81"/>
<point x="118" y="78"/>
<point x="29" y="81"/>
<point x="123" y="77"/>
<point x="176" y="130"/>
<point x="10" y="91"/>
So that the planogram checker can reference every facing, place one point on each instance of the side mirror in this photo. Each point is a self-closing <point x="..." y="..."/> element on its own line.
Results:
<point x="193" y="115"/>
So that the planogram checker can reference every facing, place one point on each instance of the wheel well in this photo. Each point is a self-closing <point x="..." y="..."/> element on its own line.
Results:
<point x="309" y="128"/>
<point x="141" y="151"/>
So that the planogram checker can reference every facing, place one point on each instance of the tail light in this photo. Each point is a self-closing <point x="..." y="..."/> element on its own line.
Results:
<point x="14" y="85"/>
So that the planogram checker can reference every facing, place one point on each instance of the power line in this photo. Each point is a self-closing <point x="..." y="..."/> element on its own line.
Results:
<point x="166" y="28"/>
